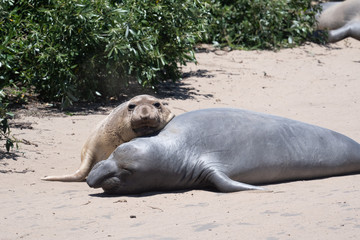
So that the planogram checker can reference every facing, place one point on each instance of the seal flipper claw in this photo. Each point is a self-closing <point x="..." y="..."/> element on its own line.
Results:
<point x="224" y="184"/>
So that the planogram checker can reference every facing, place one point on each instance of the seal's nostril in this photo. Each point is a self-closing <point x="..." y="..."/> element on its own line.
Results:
<point x="144" y="111"/>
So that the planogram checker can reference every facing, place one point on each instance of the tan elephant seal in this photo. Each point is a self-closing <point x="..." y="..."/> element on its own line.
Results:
<point x="141" y="115"/>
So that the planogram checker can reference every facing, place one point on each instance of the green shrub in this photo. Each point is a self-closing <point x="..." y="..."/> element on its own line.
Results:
<point x="4" y="123"/>
<point x="82" y="48"/>
<point x="261" y="24"/>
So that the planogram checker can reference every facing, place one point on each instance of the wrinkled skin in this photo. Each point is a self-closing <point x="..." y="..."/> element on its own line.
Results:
<point x="341" y="20"/>
<point x="228" y="149"/>
<point x="140" y="116"/>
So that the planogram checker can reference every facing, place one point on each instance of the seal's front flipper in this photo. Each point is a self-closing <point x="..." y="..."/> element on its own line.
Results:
<point x="224" y="184"/>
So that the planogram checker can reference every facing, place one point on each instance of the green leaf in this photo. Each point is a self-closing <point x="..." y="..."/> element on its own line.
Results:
<point x="10" y="114"/>
<point x="9" y="144"/>
<point x="119" y="10"/>
<point x="127" y="31"/>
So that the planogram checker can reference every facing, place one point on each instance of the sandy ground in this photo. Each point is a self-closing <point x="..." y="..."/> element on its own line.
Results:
<point x="315" y="84"/>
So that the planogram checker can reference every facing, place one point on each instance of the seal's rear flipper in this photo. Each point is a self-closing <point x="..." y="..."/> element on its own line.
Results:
<point x="224" y="184"/>
<point x="76" y="177"/>
<point x="351" y="29"/>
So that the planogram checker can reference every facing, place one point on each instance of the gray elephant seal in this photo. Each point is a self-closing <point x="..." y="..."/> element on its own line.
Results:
<point x="341" y="19"/>
<point x="139" y="116"/>
<point x="228" y="149"/>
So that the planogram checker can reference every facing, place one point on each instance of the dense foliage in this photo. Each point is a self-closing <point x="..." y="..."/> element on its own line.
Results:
<point x="77" y="49"/>
<point x="83" y="49"/>
<point x="261" y="24"/>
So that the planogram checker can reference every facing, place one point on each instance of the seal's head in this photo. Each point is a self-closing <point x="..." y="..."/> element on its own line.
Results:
<point x="147" y="114"/>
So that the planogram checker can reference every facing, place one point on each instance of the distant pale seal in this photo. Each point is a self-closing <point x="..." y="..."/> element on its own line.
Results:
<point x="139" y="116"/>
<point x="228" y="149"/>
<point x="341" y="20"/>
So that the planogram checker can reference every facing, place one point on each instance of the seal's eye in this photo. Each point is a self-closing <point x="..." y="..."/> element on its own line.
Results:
<point x="157" y="105"/>
<point x="131" y="106"/>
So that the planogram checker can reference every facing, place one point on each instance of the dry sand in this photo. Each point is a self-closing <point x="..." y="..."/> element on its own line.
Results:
<point x="315" y="84"/>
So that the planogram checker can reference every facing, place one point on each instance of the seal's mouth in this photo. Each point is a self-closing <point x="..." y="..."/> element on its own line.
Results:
<point x="110" y="185"/>
<point x="144" y="130"/>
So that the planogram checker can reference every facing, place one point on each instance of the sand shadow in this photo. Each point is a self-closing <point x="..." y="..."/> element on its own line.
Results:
<point x="9" y="156"/>
<point x="145" y="194"/>
<point x="180" y="90"/>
